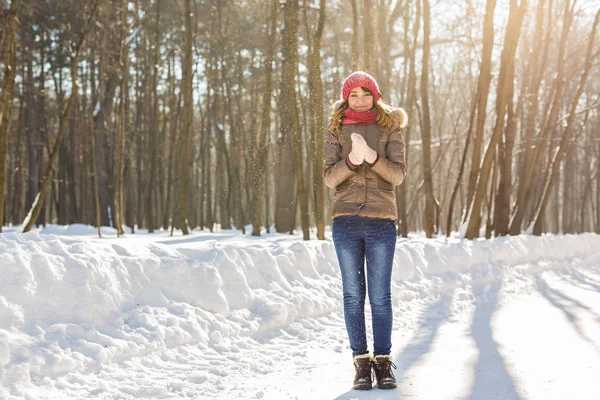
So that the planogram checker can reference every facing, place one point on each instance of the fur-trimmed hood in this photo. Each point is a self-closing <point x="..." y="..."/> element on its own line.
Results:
<point x="399" y="117"/>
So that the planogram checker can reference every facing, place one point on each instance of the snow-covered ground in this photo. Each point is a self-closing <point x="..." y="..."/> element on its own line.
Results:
<point x="228" y="316"/>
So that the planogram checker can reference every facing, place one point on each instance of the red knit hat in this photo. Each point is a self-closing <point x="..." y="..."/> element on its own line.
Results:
<point x="362" y="79"/>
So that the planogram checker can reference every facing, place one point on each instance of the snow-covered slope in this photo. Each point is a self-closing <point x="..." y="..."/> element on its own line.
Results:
<point x="230" y="316"/>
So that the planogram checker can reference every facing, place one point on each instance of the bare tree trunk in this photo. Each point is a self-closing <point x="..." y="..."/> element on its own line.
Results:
<point x="511" y="39"/>
<point x="236" y="135"/>
<point x="549" y="119"/>
<point x="290" y="124"/>
<point x="461" y="170"/>
<point x="284" y="180"/>
<point x="210" y="216"/>
<point x="569" y="195"/>
<point x="505" y="156"/>
<point x="95" y="176"/>
<point x="265" y="123"/>
<point x="187" y="87"/>
<point x="223" y="173"/>
<point x="150" y="198"/>
<point x="317" y="121"/>
<point x="430" y="201"/>
<point x="32" y="129"/>
<point x="86" y="188"/>
<point x="70" y="182"/>
<point x="104" y="109"/>
<point x="175" y="110"/>
<point x="483" y="90"/>
<point x="411" y="100"/>
<point x="586" y="213"/>
<point x="589" y="59"/>
<point x="47" y="181"/>
<point x="206" y="196"/>
<point x="368" y="42"/>
<point x="533" y="104"/>
<point x="15" y="180"/>
<point x="9" y="38"/>
<point x="120" y="139"/>
<point x="356" y="59"/>
<point x="490" y="202"/>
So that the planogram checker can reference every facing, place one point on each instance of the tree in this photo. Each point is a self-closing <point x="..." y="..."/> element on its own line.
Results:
<point x="538" y="62"/>
<point x="265" y="122"/>
<point x="47" y="180"/>
<point x="187" y="87"/>
<point x="483" y="90"/>
<point x="8" y="46"/>
<point x="549" y="118"/>
<point x="317" y="123"/>
<point x="558" y="156"/>
<point x="430" y="201"/>
<point x="511" y="39"/>
<point x="411" y="101"/>
<point x="122" y="120"/>
<point x="290" y="123"/>
<point x="368" y="38"/>
<point x="479" y="110"/>
<point x="150" y="196"/>
<point x="356" y="58"/>
<point x="256" y="151"/>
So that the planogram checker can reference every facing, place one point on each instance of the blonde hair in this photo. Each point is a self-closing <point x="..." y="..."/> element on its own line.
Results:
<point x="384" y="119"/>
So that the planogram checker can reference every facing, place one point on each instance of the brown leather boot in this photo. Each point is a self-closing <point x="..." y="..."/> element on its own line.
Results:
<point x="362" y="379"/>
<point x="383" y="372"/>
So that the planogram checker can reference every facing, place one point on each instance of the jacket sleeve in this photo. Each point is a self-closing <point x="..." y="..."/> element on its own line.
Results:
<point x="335" y="169"/>
<point x="392" y="167"/>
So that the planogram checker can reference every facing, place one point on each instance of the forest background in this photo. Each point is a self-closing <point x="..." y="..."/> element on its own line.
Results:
<point x="194" y="114"/>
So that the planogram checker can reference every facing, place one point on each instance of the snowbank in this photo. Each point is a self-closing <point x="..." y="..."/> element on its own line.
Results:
<point x="71" y="303"/>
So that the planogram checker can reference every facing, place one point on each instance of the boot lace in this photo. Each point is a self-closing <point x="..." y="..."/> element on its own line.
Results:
<point x="385" y="369"/>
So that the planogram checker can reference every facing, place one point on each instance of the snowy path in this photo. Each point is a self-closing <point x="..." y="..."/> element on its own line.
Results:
<point x="224" y="316"/>
<point x="526" y="335"/>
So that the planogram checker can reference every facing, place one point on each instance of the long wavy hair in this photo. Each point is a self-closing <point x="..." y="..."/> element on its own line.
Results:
<point x="384" y="119"/>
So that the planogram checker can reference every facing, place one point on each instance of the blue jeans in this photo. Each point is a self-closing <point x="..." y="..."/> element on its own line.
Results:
<point x="356" y="239"/>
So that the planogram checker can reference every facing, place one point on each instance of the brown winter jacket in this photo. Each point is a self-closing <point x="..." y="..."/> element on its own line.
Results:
<point x="366" y="190"/>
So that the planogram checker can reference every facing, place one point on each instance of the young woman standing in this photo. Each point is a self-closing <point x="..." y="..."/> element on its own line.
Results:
<point x="363" y="161"/>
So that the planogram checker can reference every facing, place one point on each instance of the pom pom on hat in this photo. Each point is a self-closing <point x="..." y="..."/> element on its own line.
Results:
<point x="362" y="79"/>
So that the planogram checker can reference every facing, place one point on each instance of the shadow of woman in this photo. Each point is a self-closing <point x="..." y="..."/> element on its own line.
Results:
<point x="492" y="380"/>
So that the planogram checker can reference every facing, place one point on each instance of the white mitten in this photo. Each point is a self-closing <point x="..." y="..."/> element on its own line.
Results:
<point x="360" y="145"/>
<point x="357" y="155"/>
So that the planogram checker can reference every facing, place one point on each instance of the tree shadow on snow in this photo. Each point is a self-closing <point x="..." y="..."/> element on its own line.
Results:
<point x="581" y="280"/>
<point x="433" y="317"/>
<point x="421" y="343"/>
<point x="492" y="380"/>
<point x="571" y="308"/>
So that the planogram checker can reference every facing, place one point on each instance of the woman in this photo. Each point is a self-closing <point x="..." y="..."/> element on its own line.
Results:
<point x="363" y="160"/>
